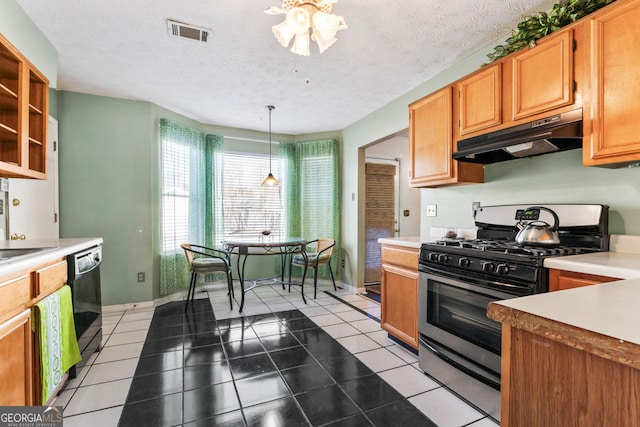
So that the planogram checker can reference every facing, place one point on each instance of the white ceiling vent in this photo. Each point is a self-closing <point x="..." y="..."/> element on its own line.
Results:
<point x="187" y="31"/>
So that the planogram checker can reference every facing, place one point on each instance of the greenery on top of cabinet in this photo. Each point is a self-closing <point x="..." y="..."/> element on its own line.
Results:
<point x="535" y="27"/>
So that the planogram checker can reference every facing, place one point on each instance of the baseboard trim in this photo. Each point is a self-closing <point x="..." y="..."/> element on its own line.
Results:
<point x="181" y="295"/>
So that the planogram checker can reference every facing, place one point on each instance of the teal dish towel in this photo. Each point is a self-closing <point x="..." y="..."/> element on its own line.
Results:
<point x="59" y="349"/>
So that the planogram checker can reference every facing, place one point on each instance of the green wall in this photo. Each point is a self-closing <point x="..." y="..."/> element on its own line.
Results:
<point x="110" y="182"/>
<point x="551" y="178"/>
<point x="388" y="120"/>
<point x="106" y="187"/>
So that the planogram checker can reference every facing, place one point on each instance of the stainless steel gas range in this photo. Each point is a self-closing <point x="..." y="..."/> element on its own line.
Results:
<point x="459" y="345"/>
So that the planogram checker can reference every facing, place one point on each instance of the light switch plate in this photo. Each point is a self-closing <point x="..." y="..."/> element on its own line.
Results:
<point x="432" y="210"/>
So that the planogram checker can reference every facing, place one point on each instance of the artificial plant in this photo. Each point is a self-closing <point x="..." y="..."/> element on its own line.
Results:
<point x="537" y="26"/>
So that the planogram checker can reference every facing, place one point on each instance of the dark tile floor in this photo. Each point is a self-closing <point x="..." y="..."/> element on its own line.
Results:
<point x="276" y="369"/>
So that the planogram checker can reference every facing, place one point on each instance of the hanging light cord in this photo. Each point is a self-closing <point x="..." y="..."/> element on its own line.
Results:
<point x="270" y="180"/>
<point x="270" y="107"/>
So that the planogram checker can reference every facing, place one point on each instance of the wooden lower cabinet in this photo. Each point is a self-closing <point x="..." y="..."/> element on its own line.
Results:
<point x="16" y="354"/>
<point x="19" y="363"/>
<point x="562" y="279"/>
<point x="547" y="383"/>
<point x="399" y="302"/>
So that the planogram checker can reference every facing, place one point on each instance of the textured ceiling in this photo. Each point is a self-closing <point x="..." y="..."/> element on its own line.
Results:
<point x="120" y="48"/>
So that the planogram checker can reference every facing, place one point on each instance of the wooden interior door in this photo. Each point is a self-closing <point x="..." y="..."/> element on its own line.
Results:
<point x="379" y="216"/>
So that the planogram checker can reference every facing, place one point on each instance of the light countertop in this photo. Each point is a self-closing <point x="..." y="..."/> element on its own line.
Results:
<point x="609" y="309"/>
<point x="55" y="248"/>
<point x="622" y="261"/>
<point x="613" y="264"/>
<point x="409" y="242"/>
<point x="601" y="319"/>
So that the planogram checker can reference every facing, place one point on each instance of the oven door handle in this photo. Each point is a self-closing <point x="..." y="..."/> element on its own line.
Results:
<point x="470" y="287"/>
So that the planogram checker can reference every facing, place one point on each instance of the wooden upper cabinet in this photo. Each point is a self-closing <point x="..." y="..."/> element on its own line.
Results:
<point x="480" y="98"/>
<point x="24" y="96"/>
<point x="543" y="76"/>
<point x="612" y="132"/>
<point x="431" y="143"/>
<point x="430" y="138"/>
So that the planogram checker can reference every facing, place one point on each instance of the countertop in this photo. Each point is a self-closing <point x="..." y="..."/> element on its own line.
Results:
<point x="409" y="242"/>
<point x="602" y="319"/>
<point x="612" y="264"/>
<point x="56" y="248"/>
<point x="623" y="260"/>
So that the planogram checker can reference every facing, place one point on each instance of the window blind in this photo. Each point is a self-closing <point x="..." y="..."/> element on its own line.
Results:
<point x="317" y="196"/>
<point x="175" y="195"/>
<point x="250" y="208"/>
<point x="379" y="215"/>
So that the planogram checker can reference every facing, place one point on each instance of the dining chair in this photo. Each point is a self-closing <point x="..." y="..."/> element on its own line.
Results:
<point x="205" y="260"/>
<point x="319" y="256"/>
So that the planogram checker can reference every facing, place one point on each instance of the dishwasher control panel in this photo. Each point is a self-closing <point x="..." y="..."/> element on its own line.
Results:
<point x="87" y="260"/>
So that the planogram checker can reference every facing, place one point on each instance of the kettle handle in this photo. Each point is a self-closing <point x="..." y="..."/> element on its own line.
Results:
<point x="556" y="220"/>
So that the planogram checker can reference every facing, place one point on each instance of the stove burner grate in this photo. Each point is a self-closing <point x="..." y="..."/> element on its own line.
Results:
<point x="510" y="247"/>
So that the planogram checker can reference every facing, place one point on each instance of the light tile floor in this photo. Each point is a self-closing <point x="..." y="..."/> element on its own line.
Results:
<point x="96" y="396"/>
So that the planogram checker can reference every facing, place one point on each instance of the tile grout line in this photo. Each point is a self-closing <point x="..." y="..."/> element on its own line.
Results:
<point x="292" y="395"/>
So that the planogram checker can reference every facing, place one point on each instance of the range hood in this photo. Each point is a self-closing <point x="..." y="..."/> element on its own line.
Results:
<point x="555" y="133"/>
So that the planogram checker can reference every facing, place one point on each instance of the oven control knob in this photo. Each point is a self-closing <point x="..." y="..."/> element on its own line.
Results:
<point x="443" y="258"/>
<point x="488" y="267"/>
<point x="502" y="269"/>
<point x="433" y="256"/>
<point x="464" y="262"/>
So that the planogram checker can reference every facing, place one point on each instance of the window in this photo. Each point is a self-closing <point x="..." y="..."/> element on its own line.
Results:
<point x="317" y="196"/>
<point x="175" y="195"/>
<point x="250" y="208"/>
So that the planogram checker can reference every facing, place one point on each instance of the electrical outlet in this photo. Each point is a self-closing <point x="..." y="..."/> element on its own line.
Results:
<point x="432" y="210"/>
<point x="475" y="206"/>
<point x="140" y="276"/>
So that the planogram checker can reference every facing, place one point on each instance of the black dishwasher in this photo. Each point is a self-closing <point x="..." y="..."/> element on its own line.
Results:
<point x="84" y="280"/>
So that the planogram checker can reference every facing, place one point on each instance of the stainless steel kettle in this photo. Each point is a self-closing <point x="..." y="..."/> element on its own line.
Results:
<point x="539" y="233"/>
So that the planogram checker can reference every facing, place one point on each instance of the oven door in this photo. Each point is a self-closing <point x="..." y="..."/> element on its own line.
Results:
<point x="453" y="323"/>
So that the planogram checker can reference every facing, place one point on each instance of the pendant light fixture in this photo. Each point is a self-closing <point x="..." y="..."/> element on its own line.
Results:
<point x="270" y="180"/>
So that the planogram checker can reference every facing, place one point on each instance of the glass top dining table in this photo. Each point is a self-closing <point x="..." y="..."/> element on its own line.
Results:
<point x="285" y="247"/>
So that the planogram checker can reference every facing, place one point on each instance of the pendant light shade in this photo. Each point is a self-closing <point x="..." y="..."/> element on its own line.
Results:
<point x="270" y="180"/>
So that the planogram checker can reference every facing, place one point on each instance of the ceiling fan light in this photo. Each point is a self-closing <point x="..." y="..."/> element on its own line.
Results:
<point x="323" y="44"/>
<point x="274" y="11"/>
<point x="301" y="44"/>
<point x="326" y="24"/>
<point x="302" y="15"/>
<point x="299" y="20"/>
<point x="283" y="33"/>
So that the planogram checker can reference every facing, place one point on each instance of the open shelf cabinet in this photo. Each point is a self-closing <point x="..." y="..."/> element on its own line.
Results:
<point x="23" y="115"/>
